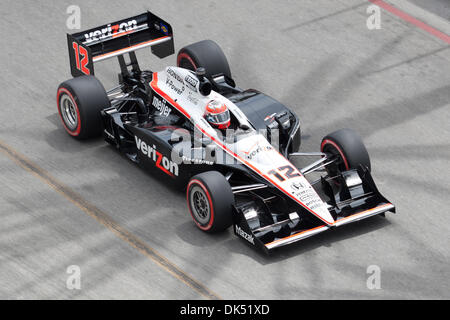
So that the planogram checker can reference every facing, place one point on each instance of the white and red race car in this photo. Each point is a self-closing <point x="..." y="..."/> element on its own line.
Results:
<point x="231" y="147"/>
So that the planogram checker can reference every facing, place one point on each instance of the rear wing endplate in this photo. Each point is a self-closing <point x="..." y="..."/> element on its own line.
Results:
<point x="117" y="38"/>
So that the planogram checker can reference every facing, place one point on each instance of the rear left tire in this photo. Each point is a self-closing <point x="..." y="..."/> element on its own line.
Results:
<point x="79" y="101"/>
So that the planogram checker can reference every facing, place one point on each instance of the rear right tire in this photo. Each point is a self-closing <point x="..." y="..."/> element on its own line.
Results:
<point x="206" y="54"/>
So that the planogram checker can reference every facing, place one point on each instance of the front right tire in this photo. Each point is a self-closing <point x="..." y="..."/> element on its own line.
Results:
<point x="348" y="147"/>
<point x="206" y="54"/>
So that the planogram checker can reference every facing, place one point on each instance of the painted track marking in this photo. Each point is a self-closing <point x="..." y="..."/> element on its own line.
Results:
<point x="406" y="17"/>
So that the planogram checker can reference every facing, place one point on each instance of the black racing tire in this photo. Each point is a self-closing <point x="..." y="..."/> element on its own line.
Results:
<point x="206" y="54"/>
<point x="79" y="101"/>
<point x="349" y="148"/>
<point x="210" y="201"/>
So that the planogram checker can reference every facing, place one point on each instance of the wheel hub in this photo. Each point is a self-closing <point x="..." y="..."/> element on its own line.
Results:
<point x="69" y="112"/>
<point x="200" y="205"/>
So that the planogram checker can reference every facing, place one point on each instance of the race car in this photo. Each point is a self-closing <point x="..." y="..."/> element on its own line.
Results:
<point x="230" y="148"/>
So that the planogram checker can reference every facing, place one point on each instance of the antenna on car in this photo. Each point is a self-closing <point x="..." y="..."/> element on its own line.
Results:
<point x="205" y="86"/>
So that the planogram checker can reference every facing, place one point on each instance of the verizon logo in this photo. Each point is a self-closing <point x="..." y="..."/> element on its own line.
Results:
<point x="111" y="31"/>
<point x="161" y="162"/>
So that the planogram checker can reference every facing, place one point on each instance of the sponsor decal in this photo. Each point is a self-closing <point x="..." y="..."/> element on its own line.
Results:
<point x="111" y="31"/>
<point x="170" y="83"/>
<point x="164" y="28"/>
<point x="245" y="235"/>
<point x="196" y="161"/>
<point x="252" y="154"/>
<point x="297" y="185"/>
<point x="160" y="105"/>
<point x="161" y="162"/>
<point x="269" y="117"/>
<point x="175" y="75"/>
<point x="308" y="197"/>
<point x="191" y="83"/>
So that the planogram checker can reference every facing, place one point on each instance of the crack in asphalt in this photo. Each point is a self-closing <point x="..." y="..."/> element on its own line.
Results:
<point x="107" y="221"/>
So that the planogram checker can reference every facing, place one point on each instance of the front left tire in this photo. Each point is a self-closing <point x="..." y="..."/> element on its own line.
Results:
<point x="210" y="199"/>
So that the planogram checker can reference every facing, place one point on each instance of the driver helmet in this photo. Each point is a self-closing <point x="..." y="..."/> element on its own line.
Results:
<point x="217" y="114"/>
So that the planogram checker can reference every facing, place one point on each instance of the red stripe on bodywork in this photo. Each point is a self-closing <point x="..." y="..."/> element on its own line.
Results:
<point x="362" y="212"/>
<point x="154" y="85"/>
<point x="294" y="235"/>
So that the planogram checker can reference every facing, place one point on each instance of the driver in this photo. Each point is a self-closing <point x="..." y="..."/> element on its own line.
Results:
<point x="217" y="114"/>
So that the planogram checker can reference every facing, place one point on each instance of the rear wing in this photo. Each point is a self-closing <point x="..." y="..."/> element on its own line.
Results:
<point x="117" y="38"/>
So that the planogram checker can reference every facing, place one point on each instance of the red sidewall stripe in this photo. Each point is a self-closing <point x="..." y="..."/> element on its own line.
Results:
<point x="326" y="141"/>
<point x="211" y="219"/>
<point x="78" y="128"/>
<point x="187" y="57"/>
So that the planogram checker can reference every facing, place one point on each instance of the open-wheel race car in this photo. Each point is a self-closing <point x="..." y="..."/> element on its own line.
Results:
<point x="229" y="147"/>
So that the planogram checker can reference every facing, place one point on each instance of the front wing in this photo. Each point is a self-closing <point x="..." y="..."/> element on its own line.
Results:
<point x="354" y="202"/>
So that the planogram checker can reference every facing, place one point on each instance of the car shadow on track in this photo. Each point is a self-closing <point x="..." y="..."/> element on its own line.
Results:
<point x="59" y="140"/>
<point x="188" y="232"/>
<point x="327" y="239"/>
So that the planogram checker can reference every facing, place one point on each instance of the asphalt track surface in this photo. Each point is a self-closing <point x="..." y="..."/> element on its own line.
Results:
<point x="64" y="202"/>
